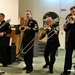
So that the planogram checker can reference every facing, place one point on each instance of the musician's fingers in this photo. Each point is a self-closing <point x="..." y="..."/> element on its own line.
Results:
<point x="64" y="26"/>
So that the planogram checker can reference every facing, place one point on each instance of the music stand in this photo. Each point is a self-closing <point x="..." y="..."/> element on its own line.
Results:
<point x="17" y="32"/>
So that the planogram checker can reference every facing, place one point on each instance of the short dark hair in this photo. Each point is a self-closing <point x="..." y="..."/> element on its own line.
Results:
<point x="73" y="7"/>
<point x="2" y="15"/>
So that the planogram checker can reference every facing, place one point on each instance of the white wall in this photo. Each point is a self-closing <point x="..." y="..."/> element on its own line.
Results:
<point x="64" y="4"/>
<point x="40" y="7"/>
<point x="10" y="9"/>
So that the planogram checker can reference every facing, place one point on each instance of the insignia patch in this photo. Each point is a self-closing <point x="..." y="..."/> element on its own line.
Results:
<point x="35" y="26"/>
<point x="31" y="22"/>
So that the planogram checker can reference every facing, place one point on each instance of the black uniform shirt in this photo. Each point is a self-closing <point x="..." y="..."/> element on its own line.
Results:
<point x="53" y="39"/>
<point x="32" y="24"/>
<point x="6" y="29"/>
<point x="71" y="37"/>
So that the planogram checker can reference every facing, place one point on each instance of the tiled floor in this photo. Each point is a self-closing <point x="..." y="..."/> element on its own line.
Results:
<point x="16" y="68"/>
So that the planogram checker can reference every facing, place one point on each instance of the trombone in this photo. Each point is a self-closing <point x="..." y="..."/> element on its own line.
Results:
<point x="28" y="45"/>
<point x="70" y="20"/>
<point x="55" y="30"/>
<point x="43" y="31"/>
<point x="22" y="29"/>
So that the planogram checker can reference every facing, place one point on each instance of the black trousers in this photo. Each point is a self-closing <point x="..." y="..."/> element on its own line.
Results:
<point x="50" y="51"/>
<point x="28" y="57"/>
<point x="3" y="53"/>
<point x="68" y="58"/>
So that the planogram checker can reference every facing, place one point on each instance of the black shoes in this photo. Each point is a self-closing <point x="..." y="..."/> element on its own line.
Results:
<point x="24" y="68"/>
<point x="29" y="71"/>
<point x="51" y="71"/>
<point x="45" y="66"/>
<point x="5" y="65"/>
<point x="63" y="73"/>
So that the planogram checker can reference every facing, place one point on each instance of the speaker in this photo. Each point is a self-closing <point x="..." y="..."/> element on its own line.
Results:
<point x="11" y="54"/>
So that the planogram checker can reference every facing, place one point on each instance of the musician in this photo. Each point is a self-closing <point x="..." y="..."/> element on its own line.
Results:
<point x="70" y="43"/>
<point x="29" y="34"/>
<point x="51" y="45"/>
<point x="4" y="30"/>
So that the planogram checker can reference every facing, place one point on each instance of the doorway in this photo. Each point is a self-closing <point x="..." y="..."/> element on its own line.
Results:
<point x="53" y="15"/>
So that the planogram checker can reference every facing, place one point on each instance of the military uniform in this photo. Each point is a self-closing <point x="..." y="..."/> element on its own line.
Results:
<point x="51" y="46"/>
<point x="70" y="47"/>
<point x="4" y="27"/>
<point x="28" y="36"/>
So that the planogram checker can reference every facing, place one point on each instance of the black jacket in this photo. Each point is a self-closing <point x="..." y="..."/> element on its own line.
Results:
<point x="71" y="37"/>
<point x="53" y="39"/>
<point x="33" y="28"/>
<point x="6" y="29"/>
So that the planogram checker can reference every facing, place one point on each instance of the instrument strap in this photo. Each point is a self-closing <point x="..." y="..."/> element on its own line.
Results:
<point x="2" y="24"/>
